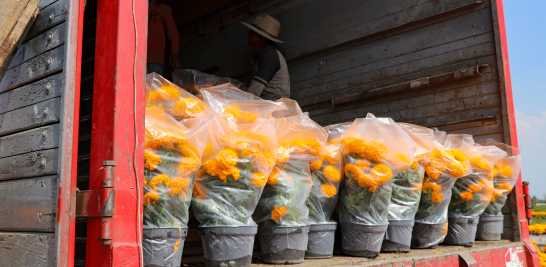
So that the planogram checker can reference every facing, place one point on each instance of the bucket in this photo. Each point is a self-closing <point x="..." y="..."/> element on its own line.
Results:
<point x="282" y="244"/>
<point x="426" y="235"/>
<point x="163" y="246"/>
<point x="490" y="228"/>
<point x="321" y="241"/>
<point x="462" y="231"/>
<point x="398" y="236"/>
<point x="228" y="246"/>
<point x="362" y="240"/>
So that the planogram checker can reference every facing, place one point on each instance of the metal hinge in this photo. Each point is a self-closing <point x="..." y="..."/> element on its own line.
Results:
<point x="100" y="203"/>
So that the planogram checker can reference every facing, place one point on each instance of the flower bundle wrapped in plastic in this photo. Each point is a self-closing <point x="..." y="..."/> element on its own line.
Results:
<point x="375" y="151"/>
<point x="282" y="207"/>
<point x="406" y="191"/>
<point x="193" y="81"/>
<point x="172" y="156"/>
<point x="447" y="164"/>
<point x="472" y="193"/>
<point x="239" y="156"/>
<point x="506" y="172"/>
<point x="167" y="96"/>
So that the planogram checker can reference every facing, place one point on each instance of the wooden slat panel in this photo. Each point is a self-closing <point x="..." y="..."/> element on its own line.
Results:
<point x="37" y="139"/>
<point x="36" y="92"/>
<point x="42" y="113"/>
<point x="48" y="17"/>
<point x="26" y="249"/>
<point x="28" y="204"/>
<point x="39" y="44"/>
<point x="36" y="68"/>
<point x="32" y="164"/>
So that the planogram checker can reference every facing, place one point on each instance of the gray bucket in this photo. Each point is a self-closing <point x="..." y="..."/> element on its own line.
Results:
<point x="398" y="236"/>
<point x="228" y="246"/>
<point x="282" y="244"/>
<point x="160" y="248"/>
<point x="321" y="241"/>
<point x="490" y="228"/>
<point x="462" y="231"/>
<point x="362" y="240"/>
<point x="425" y="235"/>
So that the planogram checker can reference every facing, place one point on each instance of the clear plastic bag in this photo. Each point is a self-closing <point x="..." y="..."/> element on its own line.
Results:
<point x="193" y="80"/>
<point x="506" y="173"/>
<point x="335" y="131"/>
<point x="237" y="160"/>
<point x="406" y="186"/>
<point x="301" y="141"/>
<point x="183" y="106"/>
<point x="172" y="156"/>
<point x="375" y="150"/>
<point x="446" y="165"/>
<point x="471" y="194"/>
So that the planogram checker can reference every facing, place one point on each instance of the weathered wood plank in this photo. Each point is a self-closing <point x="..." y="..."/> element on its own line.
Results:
<point x="42" y="113"/>
<point x="39" y="44"/>
<point x="36" y="68"/>
<point x="26" y="249"/>
<point x="28" y="205"/>
<point x="42" y="138"/>
<point x="48" y="17"/>
<point x="16" y="18"/>
<point x="483" y="130"/>
<point x="39" y="163"/>
<point x="459" y="116"/>
<point x="27" y="95"/>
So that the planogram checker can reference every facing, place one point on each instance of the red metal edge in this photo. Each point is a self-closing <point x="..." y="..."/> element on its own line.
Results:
<point x="65" y="225"/>
<point x="509" y="122"/>
<point x="117" y="131"/>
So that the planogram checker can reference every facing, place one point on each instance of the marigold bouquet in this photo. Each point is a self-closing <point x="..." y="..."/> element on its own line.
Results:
<point x="506" y="173"/>
<point x="472" y="193"/>
<point x="238" y="158"/>
<point x="301" y="140"/>
<point x="375" y="150"/>
<point x="172" y="156"/>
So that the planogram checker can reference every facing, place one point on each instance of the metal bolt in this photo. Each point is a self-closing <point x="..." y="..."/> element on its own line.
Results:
<point x="34" y="157"/>
<point x="51" y="16"/>
<point x="44" y="135"/>
<point x="43" y="163"/>
<point x="107" y="242"/>
<point x="48" y="88"/>
<point x="46" y="111"/>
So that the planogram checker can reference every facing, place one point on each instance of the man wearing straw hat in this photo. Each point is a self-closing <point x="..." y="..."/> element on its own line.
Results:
<point x="270" y="79"/>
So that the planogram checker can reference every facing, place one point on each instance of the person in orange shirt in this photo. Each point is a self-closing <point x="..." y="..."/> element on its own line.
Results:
<point x="161" y="27"/>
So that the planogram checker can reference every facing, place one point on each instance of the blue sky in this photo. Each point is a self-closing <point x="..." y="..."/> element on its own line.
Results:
<point x="526" y="33"/>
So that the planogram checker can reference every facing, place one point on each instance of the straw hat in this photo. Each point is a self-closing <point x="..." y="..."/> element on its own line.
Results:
<point x="266" y="26"/>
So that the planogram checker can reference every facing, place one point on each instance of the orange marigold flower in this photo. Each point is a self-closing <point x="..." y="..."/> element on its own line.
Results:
<point x="436" y="197"/>
<point x="438" y="164"/>
<point x="179" y="185"/>
<point x="432" y="173"/>
<point x="188" y="105"/>
<point x="158" y="95"/>
<point x="307" y="146"/>
<point x="198" y="192"/>
<point x="332" y="173"/>
<point x="334" y="141"/>
<point x="316" y="165"/>
<point x="273" y="178"/>
<point x="475" y="188"/>
<point x="328" y="190"/>
<point x="480" y="163"/>
<point x="505" y="186"/>
<point x="249" y="117"/>
<point x="402" y="157"/>
<point x="363" y="180"/>
<point x="259" y="179"/>
<point x="373" y="150"/>
<point x="233" y="112"/>
<point x="264" y="160"/>
<point x="497" y="193"/>
<point x="188" y="166"/>
<point x="415" y="165"/>
<point x="150" y="198"/>
<point x="382" y="173"/>
<point x="151" y="160"/>
<point x="466" y="195"/>
<point x="171" y="91"/>
<point x="277" y="213"/>
<point x="333" y="157"/>
<point x="159" y="179"/>
<point x="282" y="156"/>
<point x="458" y="155"/>
<point x="457" y="169"/>
<point x="152" y="106"/>
<point x="427" y="185"/>
<point x="363" y="163"/>
<point x="506" y="171"/>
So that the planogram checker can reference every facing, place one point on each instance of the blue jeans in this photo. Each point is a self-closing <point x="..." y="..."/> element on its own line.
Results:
<point x="154" y="68"/>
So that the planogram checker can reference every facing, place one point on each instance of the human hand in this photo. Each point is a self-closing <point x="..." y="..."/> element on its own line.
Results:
<point x="174" y="62"/>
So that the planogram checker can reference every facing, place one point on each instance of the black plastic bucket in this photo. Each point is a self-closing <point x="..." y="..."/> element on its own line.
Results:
<point x="398" y="236"/>
<point x="362" y="240"/>
<point x="462" y="231"/>
<point x="228" y="246"/>
<point x="425" y="235"/>
<point x="490" y="228"/>
<point x="321" y="241"/>
<point x="163" y="246"/>
<point x="283" y="245"/>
